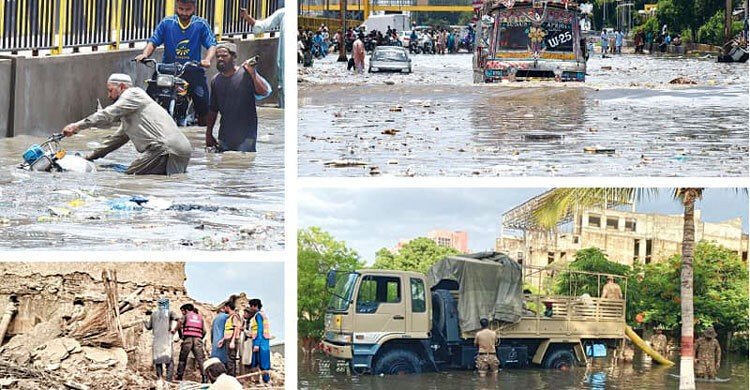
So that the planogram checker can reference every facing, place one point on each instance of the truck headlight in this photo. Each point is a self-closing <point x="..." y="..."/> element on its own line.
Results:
<point x="342" y="338"/>
<point x="164" y="80"/>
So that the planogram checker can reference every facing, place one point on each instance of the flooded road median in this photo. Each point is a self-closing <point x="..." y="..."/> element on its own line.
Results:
<point x="225" y="201"/>
<point x="626" y="120"/>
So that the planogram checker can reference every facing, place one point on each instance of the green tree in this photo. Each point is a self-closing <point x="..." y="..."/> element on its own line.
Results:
<point x="721" y="296"/>
<point x="317" y="253"/>
<point x="417" y="255"/>
<point x="712" y="32"/>
<point x="561" y="201"/>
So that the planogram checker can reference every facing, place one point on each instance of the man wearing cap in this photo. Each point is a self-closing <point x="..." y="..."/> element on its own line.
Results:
<point x="183" y="35"/>
<point x="161" y="322"/>
<point x="659" y="342"/>
<point x="165" y="150"/>
<point x="611" y="290"/>
<point x="271" y="23"/>
<point x="234" y="91"/>
<point x="217" y="376"/>
<point x="707" y="354"/>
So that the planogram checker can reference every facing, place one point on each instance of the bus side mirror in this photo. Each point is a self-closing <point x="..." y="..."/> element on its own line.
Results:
<point x="331" y="279"/>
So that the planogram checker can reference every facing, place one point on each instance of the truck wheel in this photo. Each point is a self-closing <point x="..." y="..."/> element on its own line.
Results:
<point x="398" y="361"/>
<point x="560" y="359"/>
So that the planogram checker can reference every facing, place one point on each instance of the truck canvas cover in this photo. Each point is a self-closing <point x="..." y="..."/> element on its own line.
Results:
<point x="490" y="285"/>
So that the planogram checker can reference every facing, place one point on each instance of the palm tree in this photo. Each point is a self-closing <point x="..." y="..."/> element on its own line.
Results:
<point x="560" y="202"/>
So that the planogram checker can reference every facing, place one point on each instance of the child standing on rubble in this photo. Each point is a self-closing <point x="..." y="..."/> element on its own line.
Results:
<point x="163" y="323"/>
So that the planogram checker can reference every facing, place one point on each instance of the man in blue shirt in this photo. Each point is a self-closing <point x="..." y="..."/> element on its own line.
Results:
<point x="260" y="330"/>
<point x="183" y="35"/>
<point x="217" y="334"/>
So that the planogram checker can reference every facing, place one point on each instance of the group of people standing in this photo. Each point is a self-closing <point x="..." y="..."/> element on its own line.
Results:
<point x="233" y="94"/>
<point x="239" y="341"/>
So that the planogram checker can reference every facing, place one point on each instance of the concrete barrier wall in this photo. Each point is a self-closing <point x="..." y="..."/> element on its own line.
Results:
<point x="6" y="75"/>
<point x="53" y="91"/>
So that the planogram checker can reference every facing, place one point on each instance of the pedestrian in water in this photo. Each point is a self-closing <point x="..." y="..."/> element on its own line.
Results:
<point x="160" y="322"/>
<point x="707" y="355"/>
<point x="217" y="335"/>
<point x="486" y="340"/>
<point x="612" y="42"/>
<point x="231" y="340"/>
<point x="259" y="329"/>
<point x="659" y="342"/>
<point x="611" y="290"/>
<point x="191" y="330"/>
<point x="234" y="92"/>
<point x="358" y="53"/>
<point x="619" y="36"/>
<point x="605" y="42"/>
<point x="165" y="150"/>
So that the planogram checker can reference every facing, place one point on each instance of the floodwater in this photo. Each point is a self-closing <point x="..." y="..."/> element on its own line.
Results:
<point x="320" y="372"/>
<point x="446" y="125"/>
<point x="225" y="201"/>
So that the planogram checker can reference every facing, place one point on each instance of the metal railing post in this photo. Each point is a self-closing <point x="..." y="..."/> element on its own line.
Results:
<point x="62" y="17"/>
<point x="219" y="19"/>
<point x="116" y="15"/>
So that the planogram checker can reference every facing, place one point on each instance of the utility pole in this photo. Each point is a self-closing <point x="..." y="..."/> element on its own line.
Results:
<point x="728" y="26"/>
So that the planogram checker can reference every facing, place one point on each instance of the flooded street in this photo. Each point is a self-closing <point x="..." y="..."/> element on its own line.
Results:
<point x="320" y="372"/>
<point x="437" y="122"/>
<point x="224" y="201"/>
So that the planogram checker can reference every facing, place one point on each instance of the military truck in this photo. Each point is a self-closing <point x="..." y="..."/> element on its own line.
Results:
<point x="390" y="322"/>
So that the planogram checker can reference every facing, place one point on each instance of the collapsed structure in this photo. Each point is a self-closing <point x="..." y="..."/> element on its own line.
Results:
<point x="73" y="326"/>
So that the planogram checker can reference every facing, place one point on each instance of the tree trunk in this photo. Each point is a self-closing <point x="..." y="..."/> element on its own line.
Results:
<point x="687" y="373"/>
<point x="342" y="39"/>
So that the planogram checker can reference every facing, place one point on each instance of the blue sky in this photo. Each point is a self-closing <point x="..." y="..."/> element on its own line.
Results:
<point x="214" y="282"/>
<point x="368" y="219"/>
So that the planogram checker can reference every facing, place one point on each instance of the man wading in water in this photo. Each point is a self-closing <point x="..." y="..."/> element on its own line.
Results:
<point x="165" y="150"/>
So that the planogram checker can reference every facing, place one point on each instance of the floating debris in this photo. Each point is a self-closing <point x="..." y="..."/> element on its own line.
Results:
<point x="543" y="137"/>
<point x="598" y="150"/>
<point x="683" y="81"/>
<point x="390" y="131"/>
<point x="344" y="163"/>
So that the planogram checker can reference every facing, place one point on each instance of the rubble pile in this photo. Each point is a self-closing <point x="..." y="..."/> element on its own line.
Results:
<point x="84" y="330"/>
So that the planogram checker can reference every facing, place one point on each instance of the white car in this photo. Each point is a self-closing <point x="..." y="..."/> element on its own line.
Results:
<point x="390" y="59"/>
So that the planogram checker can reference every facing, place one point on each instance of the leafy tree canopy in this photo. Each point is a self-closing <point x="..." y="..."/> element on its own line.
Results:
<point x="317" y="253"/>
<point x="417" y="255"/>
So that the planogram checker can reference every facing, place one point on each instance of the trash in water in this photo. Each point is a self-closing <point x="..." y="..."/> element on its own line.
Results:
<point x="192" y="207"/>
<point x="543" y="137"/>
<point x="598" y="150"/>
<point x="374" y="170"/>
<point x="344" y="163"/>
<point x="58" y="211"/>
<point x="683" y="80"/>
<point x="390" y="131"/>
<point x="123" y="204"/>
<point x="76" y="203"/>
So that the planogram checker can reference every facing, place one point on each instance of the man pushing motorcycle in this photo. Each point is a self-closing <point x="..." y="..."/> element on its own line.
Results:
<point x="183" y="35"/>
<point x="165" y="150"/>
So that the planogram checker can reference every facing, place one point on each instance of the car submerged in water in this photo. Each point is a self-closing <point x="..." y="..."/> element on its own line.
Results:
<point x="389" y="59"/>
<point x="520" y="40"/>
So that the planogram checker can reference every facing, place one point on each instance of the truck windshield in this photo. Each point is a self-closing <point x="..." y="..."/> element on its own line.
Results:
<point x="342" y="293"/>
<point x="517" y="31"/>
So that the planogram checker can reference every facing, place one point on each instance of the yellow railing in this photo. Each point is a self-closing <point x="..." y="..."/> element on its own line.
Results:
<point x="62" y="24"/>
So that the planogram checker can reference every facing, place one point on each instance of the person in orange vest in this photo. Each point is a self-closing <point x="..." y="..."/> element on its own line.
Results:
<point x="192" y="331"/>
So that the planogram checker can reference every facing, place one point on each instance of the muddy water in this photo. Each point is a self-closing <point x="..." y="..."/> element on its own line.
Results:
<point x="228" y="201"/>
<point x="446" y="125"/>
<point x="320" y="372"/>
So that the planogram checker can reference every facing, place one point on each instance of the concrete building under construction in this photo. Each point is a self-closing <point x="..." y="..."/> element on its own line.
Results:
<point x="627" y="237"/>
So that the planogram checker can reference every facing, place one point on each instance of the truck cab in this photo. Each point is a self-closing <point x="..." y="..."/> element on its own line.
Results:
<point x="378" y="320"/>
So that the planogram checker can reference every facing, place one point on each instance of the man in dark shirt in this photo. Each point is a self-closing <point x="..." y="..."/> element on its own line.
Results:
<point x="234" y="91"/>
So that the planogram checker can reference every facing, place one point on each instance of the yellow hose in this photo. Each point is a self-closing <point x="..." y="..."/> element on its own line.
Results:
<point x="646" y="348"/>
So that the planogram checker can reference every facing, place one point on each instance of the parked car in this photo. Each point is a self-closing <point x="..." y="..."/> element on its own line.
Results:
<point x="390" y="59"/>
<point x="404" y="37"/>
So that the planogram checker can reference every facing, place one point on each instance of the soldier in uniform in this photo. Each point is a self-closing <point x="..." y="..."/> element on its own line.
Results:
<point x="707" y="354"/>
<point x="611" y="290"/>
<point x="659" y="342"/>
<point x="486" y="340"/>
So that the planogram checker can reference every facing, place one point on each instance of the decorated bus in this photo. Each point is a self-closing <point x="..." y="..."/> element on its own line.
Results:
<point x="520" y="40"/>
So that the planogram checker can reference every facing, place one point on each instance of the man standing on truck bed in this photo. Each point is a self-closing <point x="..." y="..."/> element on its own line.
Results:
<point x="486" y="339"/>
<point x="611" y="290"/>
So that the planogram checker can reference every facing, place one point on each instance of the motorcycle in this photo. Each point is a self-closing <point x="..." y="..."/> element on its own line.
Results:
<point x="414" y="47"/>
<point x="428" y="48"/>
<point x="51" y="157"/>
<point x="171" y="91"/>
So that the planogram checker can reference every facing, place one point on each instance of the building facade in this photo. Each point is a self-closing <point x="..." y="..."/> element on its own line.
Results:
<point x="626" y="237"/>
<point x="457" y="240"/>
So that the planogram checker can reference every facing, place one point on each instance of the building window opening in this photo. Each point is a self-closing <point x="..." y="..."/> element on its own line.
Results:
<point x="648" y="251"/>
<point x="630" y="225"/>
<point x="612" y="223"/>
<point x="550" y="257"/>
<point x="595" y="221"/>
